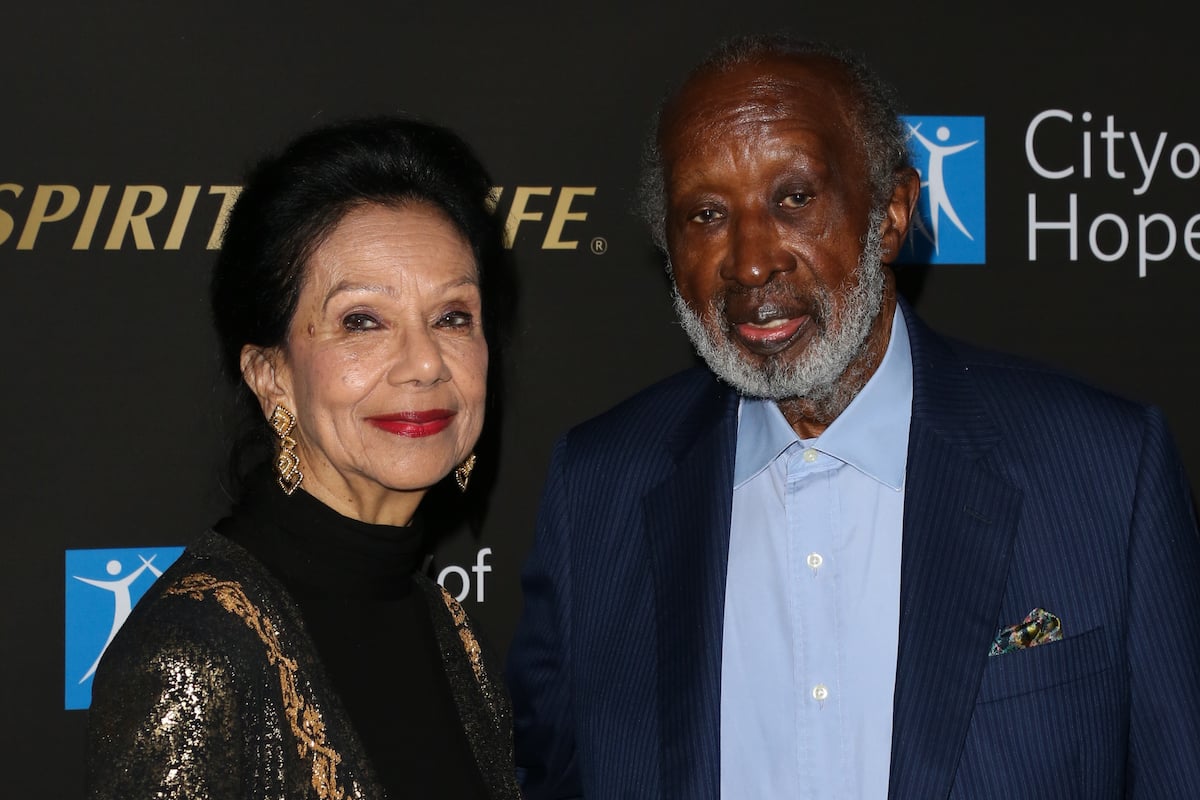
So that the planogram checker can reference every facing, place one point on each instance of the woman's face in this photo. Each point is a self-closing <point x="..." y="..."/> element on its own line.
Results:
<point x="385" y="364"/>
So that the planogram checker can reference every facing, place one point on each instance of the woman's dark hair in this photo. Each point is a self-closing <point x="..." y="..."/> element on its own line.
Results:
<point x="292" y="201"/>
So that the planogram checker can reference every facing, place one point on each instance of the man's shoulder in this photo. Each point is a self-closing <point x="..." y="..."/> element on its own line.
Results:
<point x="1032" y="395"/>
<point x="1005" y="373"/>
<point x="661" y="403"/>
<point x="690" y="398"/>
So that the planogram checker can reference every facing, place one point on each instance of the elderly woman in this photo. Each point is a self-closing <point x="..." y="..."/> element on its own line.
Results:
<point x="296" y="650"/>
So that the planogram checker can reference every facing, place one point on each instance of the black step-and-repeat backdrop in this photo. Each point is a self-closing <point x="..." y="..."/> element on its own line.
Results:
<point x="1060" y="147"/>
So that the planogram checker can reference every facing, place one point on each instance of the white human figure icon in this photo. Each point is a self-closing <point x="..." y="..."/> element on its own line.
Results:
<point x="935" y="179"/>
<point x="122" y="601"/>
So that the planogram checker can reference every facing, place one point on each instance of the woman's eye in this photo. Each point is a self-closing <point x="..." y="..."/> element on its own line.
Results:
<point x="456" y="319"/>
<point x="796" y="200"/>
<point x="359" y="322"/>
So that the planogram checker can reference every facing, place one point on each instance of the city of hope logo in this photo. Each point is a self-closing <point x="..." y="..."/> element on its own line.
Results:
<point x="102" y="587"/>
<point x="950" y="227"/>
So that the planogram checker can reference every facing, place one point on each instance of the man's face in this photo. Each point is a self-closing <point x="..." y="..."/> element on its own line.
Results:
<point x="769" y="214"/>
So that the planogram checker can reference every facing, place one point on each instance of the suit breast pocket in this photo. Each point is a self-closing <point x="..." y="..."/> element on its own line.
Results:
<point x="1047" y="665"/>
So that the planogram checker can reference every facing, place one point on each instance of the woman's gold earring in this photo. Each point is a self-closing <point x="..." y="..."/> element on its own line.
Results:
<point x="462" y="473"/>
<point x="287" y="463"/>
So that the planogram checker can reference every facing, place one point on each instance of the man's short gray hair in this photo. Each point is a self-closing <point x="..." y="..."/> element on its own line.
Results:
<point x="880" y="132"/>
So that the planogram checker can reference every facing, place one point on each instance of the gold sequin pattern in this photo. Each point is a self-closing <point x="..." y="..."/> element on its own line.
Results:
<point x="470" y="643"/>
<point x="212" y="690"/>
<point x="179" y="724"/>
<point x="488" y="724"/>
<point x="304" y="718"/>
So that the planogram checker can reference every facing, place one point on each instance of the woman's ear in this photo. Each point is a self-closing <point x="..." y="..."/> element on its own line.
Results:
<point x="265" y="372"/>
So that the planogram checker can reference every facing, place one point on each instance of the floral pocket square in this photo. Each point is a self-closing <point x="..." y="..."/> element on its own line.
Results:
<point x="1039" y="627"/>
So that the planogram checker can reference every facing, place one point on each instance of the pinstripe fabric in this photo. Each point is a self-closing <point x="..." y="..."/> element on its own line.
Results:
<point x="1024" y="490"/>
<point x="617" y="656"/>
<point x="690" y="593"/>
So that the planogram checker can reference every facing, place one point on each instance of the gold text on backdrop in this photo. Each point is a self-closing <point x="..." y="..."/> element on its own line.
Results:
<point x="54" y="204"/>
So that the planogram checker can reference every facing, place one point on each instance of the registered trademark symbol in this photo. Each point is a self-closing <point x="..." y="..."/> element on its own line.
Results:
<point x="599" y="246"/>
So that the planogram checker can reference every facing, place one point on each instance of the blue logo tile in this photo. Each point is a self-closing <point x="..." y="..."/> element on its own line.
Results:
<point x="951" y="226"/>
<point x="102" y="588"/>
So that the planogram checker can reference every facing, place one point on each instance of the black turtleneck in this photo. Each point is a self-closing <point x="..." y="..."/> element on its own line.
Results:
<point x="370" y="624"/>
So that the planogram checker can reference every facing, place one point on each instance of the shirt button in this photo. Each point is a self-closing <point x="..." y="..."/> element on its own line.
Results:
<point x="810" y="455"/>
<point x="820" y="693"/>
<point x="815" y="560"/>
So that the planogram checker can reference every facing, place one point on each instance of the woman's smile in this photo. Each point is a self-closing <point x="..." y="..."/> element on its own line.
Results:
<point x="414" y="424"/>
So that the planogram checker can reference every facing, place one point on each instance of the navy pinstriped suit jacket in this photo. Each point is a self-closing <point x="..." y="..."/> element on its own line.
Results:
<point x="1024" y="489"/>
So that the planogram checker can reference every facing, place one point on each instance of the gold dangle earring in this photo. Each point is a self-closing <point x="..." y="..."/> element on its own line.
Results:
<point x="287" y="463"/>
<point x="462" y="473"/>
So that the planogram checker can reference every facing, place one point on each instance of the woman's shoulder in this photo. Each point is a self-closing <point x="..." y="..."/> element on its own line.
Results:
<point x="213" y="657"/>
<point x="212" y="562"/>
<point x="214" y="596"/>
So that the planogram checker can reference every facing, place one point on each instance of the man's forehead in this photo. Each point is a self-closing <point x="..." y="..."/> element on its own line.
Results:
<point x="803" y="97"/>
<point x="763" y="90"/>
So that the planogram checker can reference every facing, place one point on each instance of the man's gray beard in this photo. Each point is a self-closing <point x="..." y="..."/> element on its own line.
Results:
<point x="817" y="377"/>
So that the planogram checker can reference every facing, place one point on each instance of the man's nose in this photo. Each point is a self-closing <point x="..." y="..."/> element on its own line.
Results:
<point x="755" y="253"/>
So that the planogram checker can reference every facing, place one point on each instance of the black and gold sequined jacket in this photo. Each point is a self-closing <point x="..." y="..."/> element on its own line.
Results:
<point x="216" y="691"/>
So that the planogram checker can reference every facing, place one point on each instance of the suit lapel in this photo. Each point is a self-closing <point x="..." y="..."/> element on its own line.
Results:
<point x="959" y="521"/>
<point x="687" y="522"/>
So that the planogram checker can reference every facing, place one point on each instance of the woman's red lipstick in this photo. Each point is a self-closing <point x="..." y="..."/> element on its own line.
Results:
<point x="414" y="424"/>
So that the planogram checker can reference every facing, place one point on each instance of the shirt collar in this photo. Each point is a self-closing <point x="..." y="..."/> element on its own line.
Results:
<point x="871" y="435"/>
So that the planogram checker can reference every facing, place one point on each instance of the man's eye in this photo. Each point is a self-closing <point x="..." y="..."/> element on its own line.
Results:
<point x="707" y="215"/>
<point x="359" y="322"/>
<point x="796" y="200"/>
<point x="456" y="319"/>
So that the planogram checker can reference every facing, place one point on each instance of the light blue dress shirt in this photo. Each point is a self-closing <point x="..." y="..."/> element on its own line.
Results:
<point x="812" y="598"/>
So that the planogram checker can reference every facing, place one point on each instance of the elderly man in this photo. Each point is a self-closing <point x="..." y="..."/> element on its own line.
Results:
<point x="850" y="559"/>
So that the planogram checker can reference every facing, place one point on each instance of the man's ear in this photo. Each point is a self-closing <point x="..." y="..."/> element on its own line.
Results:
<point x="899" y="212"/>
<point x="264" y="371"/>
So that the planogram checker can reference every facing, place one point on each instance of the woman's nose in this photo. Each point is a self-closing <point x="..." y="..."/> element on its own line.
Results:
<point x="418" y="358"/>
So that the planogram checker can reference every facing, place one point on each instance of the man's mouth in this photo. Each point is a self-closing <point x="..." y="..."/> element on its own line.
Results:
<point x="771" y="337"/>
<point x="768" y="328"/>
